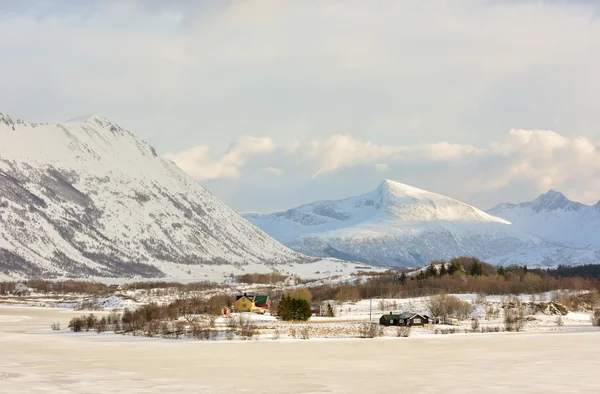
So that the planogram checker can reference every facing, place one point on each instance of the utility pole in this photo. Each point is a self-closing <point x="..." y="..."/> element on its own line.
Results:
<point x="370" y="308"/>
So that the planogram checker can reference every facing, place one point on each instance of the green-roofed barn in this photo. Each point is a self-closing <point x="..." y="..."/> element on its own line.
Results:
<point x="262" y="301"/>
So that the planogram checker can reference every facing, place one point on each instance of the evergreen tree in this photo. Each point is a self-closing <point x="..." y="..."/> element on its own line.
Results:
<point x="443" y="270"/>
<point x="403" y="278"/>
<point x="284" y="310"/>
<point x="476" y="269"/>
<point x="431" y="271"/>
<point x="501" y="271"/>
<point x="330" y="312"/>
<point x="293" y="309"/>
<point x="454" y="267"/>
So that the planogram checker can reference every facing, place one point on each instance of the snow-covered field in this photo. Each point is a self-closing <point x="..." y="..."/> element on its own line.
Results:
<point x="33" y="359"/>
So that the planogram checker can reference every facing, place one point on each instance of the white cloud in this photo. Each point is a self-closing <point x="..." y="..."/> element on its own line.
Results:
<point x="381" y="167"/>
<point x="341" y="151"/>
<point x="522" y="164"/>
<point x="200" y="165"/>
<point x="408" y="72"/>
<point x="273" y="171"/>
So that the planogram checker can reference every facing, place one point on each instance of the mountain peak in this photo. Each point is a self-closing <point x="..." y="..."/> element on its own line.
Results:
<point x="93" y="118"/>
<point x="397" y="189"/>
<point x="552" y="194"/>
<point x="554" y="200"/>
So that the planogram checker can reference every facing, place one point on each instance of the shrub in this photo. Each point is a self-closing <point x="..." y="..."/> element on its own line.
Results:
<point x="101" y="325"/>
<point x="247" y="328"/>
<point x="305" y="332"/>
<point x="369" y="330"/>
<point x="76" y="324"/>
<point x="595" y="317"/>
<point x="403" y="331"/>
<point x="475" y="324"/>
<point x="55" y="326"/>
<point x="559" y="321"/>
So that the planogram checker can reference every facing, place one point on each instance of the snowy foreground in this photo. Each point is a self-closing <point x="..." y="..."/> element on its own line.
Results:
<point x="34" y="359"/>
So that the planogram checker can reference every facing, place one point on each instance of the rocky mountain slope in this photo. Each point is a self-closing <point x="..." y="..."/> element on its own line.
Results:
<point x="87" y="198"/>
<point x="395" y="224"/>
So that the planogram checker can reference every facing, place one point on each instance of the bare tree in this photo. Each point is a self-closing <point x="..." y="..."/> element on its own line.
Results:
<point x="514" y="314"/>
<point x="247" y="328"/>
<point x="444" y="306"/>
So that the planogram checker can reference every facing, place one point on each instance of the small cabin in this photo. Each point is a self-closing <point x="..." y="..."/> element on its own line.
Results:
<point x="389" y="320"/>
<point x="413" y="319"/>
<point x="404" y="319"/>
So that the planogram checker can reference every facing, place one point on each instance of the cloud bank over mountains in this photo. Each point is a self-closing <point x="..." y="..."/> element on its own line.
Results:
<point x="540" y="159"/>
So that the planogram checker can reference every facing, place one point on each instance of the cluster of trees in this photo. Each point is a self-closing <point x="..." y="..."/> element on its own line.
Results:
<point x="445" y="306"/>
<point x="58" y="287"/>
<point x="473" y="276"/>
<point x="190" y="318"/>
<point x="269" y="278"/>
<point x="564" y="271"/>
<point x="390" y="286"/>
<point x="291" y="308"/>
<point x="458" y="266"/>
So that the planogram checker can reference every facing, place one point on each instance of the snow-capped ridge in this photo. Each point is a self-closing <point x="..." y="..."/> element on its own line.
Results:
<point x="411" y="203"/>
<point x="395" y="224"/>
<point x="550" y="201"/>
<point x="88" y="198"/>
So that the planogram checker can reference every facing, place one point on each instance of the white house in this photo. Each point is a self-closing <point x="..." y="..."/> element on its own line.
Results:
<point x="290" y="281"/>
<point x="21" y="289"/>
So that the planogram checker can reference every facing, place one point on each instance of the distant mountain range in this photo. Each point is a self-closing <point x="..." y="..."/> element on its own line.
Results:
<point x="86" y="198"/>
<point x="400" y="225"/>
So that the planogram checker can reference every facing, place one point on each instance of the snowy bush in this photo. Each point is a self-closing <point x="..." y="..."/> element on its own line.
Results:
<point x="403" y="331"/>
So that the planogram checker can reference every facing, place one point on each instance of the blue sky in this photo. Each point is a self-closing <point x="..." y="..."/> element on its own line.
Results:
<point x="270" y="104"/>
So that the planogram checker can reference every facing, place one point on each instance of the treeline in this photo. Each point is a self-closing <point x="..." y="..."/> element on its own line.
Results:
<point x="264" y="279"/>
<point x="473" y="276"/>
<point x="99" y="289"/>
<point x="58" y="287"/>
<point x="566" y="271"/>
<point x="194" y="316"/>
<point x="182" y="287"/>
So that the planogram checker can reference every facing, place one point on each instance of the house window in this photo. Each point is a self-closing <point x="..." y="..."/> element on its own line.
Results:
<point x="391" y="321"/>
<point x="417" y="321"/>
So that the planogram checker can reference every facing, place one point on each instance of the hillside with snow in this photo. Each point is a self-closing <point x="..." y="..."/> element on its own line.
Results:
<point x="395" y="224"/>
<point x="86" y="198"/>
<point x="570" y="231"/>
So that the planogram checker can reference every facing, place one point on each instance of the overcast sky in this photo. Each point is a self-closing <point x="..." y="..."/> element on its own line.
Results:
<point x="270" y="104"/>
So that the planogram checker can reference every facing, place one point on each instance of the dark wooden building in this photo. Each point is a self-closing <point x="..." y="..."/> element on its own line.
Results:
<point x="404" y="319"/>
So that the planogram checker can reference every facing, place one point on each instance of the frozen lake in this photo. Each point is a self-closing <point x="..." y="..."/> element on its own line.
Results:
<point x="35" y="361"/>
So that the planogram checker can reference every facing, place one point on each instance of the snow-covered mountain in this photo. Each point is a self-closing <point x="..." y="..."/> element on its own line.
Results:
<point x="570" y="230"/>
<point x="395" y="224"/>
<point x="87" y="198"/>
